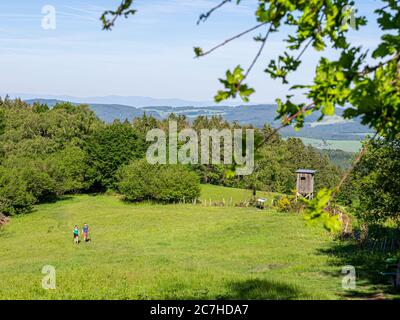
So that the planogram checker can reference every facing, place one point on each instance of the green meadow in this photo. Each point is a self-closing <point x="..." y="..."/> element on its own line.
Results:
<point x="345" y="145"/>
<point x="178" y="251"/>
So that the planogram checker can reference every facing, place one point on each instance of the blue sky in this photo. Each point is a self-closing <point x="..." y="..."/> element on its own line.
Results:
<point x="149" y="54"/>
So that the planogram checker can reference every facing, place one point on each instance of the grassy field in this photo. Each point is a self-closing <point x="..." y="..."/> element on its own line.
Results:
<point x="183" y="251"/>
<point x="345" y="145"/>
<point x="230" y="196"/>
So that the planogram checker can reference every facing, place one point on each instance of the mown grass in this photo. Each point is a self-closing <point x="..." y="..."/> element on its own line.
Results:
<point x="182" y="251"/>
<point x="230" y="196"/>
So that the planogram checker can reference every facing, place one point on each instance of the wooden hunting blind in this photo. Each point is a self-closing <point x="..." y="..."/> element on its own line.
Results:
<point x="305" y="183"/>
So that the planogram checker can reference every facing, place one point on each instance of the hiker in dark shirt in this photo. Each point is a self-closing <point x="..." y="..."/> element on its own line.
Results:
<point x="85" y="231"/>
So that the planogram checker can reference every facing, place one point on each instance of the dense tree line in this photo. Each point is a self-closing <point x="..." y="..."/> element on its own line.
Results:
<point x="42" y="152"/>
<point x="109" y="148"/>
<point x="340" y="158"/>
<point x="372" y="191"/>
<point x="46" y="153"/>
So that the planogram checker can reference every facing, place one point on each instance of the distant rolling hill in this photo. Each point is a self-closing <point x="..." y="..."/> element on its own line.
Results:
<point x="137" y="101"/>
<point x="332" y="128"/>
<point x="106" y="112"/>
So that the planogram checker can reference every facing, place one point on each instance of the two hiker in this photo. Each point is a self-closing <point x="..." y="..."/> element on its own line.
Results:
<point x="85" y="232"/>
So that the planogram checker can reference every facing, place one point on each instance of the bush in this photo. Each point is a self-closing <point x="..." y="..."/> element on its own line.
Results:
<point x="14" y="195"/>
<point x="135" y="181"/>
<point x="284" y="204"/>
<point x="176" y="183"/>
<point x="26" y="181"/>
<point x="166" y="183"/>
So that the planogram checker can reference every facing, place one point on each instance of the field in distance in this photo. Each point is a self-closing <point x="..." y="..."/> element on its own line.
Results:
<point x="345" y="145"/>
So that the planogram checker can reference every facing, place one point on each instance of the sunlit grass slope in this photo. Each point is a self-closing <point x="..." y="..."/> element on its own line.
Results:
<point x="147" y="251"/>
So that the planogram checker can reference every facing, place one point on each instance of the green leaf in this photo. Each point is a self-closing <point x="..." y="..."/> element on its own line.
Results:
<point x="198" y="51"/>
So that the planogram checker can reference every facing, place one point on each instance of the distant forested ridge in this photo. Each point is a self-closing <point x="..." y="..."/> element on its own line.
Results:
<point x="48" y="152"/>
<point x="332" y="128"/>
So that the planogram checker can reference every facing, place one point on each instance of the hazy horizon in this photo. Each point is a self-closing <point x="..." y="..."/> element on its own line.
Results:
<point x="148" y="55"/>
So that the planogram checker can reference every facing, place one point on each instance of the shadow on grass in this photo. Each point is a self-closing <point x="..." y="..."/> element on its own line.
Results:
<point x="262" y="289"/>
<point x="368" y="265"/>
<point x="54" y="199"/>
<point x="252" y="289"/>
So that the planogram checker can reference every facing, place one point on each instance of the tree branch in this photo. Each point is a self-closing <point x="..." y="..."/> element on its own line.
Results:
<point x="203" y="17"/>
<point x="368" y="69"/>
<point x="264" y="41"/>
<point x="231" y="39"/>
<point x="123" y="9"/>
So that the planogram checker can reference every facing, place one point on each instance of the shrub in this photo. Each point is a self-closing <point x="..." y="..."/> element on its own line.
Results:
<point x="176" y="183"/>
<point x="166" y="183"/>
<point x="26" y="181"/>
<point x="135" y="181"/>
<point x="284" y="204"/>
<point x="14" y="195"/>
